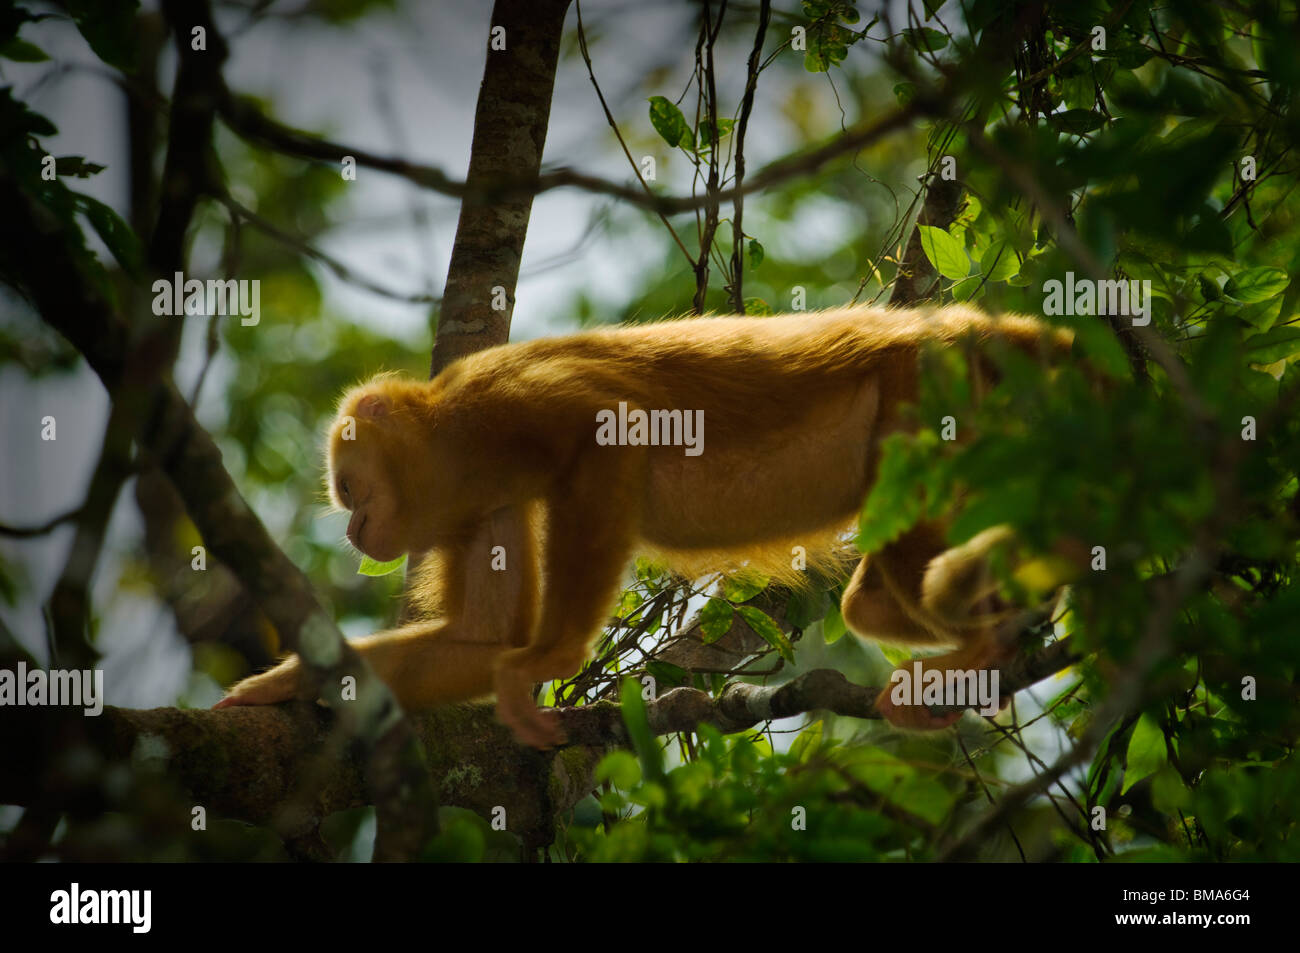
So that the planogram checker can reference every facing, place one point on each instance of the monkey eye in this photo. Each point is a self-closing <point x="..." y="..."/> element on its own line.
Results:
<point x="345" y="492"/>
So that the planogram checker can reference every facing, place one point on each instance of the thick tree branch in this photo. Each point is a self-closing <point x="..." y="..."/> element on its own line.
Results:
<point x="246" y="763"/>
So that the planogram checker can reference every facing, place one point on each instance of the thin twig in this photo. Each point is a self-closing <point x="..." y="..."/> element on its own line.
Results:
<point x="333" y="264"/>
<point x="738" y="204"/>
<point x="609" y="117"/>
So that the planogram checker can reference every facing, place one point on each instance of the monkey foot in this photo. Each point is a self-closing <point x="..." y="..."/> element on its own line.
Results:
<point x="914" y="717"/>
<point x="537" y="727"/>
<point x="277" y="685"/>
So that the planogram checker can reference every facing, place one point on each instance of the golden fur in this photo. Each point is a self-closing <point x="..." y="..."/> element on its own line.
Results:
<point x="473" y="464"/>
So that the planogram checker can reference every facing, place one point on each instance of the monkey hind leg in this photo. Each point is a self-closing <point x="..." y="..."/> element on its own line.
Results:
<point x="883" y="599"/>
<point x="919" y="592"/>
<point x="983" y="653"/>
<point x="959" y="586"/>
<point x="870" y="609"/>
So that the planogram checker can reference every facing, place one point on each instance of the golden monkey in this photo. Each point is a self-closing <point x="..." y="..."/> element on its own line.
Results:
<point x="531" y="471"/>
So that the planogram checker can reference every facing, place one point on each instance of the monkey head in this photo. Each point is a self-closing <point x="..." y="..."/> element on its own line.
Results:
<point x="372" y="459"/>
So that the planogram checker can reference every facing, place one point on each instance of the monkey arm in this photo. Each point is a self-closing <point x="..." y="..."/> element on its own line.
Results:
<point x="587" y="548"/>
<point x="424" y="664"/>
<point x="487" y="585"/>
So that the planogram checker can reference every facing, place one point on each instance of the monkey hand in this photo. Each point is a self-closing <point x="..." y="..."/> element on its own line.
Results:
<point x="278" y="684"/>
<point x="538" y="727"/>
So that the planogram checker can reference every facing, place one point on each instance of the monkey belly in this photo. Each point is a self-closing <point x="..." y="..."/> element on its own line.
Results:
<point x="800" y="476"/>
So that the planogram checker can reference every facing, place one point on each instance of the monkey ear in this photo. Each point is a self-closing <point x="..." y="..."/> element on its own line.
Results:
<point x="371" y="406"/>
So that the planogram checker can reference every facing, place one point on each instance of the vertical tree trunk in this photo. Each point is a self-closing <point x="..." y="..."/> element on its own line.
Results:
<point x="514" y="107"/>
<point x="916" y="275"/>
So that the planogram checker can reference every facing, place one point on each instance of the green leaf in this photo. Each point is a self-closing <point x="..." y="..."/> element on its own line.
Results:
<point x="620" y="768"/>
<point x="1209" y="288"/>
<point x="1168" y="792"/>
<point x="1079" y="92"/>
<point x="1262" y="315"/>
<point x="706" y="131"/>
<point x="715" y="620"/>
<point x="1077" y="121"/>
<point x="670" y="123"/>
<point x="998" y="263"/>
<point x="925" y="797"/>
<point x="109" y="28"/>
<point x="806" y="606"/>
<point x="1130" y="55"/>
<point x="1273" y="345"/>
<point x="895" y="501"/>
<point x="925" y="40"/>
<point x="806" y="745"/>
<point x="833" y="627"/>
<point x="743" y="586"/>
<point x="964" y="289"/>
<point x="666" y="673"/>
<point x="946" y="253"/>
<point x="20" y="51"/>
<point x="904" y="92"/>
<point x="371" y="567"/>
<point x="758" y="307"/>
<point x="770" y="632"/>
<point x="1257" y="284"/>
<point x="1098" y="341"/>
<point x="461" y="841"/>
<point x="77" y="166"/>
<point x="887" y="775"/>
<point x="117" y="235"/>
<point x="638" y="731"/>
<point x="1146" y="752"/>
<point x="755" y="253"/>
<point x="17" y="121"/>
<point x="628" y="602"/>
<point x="828" y="41"/>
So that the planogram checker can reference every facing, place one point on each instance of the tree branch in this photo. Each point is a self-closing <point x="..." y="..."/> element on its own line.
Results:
<point x="246" y="120"/>
<point x="742" y="126"/>
<point x="742" y="706"/>
<point x="246" y="763"/>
